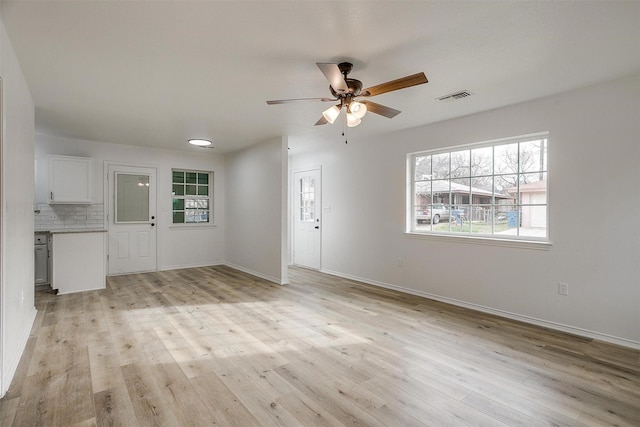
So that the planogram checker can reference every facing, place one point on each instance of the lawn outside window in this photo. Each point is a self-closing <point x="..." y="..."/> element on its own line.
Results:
<point x="495" y="190"/>
<point x="191" y="196"/>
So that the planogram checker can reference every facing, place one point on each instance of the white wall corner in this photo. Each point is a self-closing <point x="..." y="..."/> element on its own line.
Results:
<point x="12" y="361"/>
<point x="267" y="277"/>
<point x="285" y="209"/>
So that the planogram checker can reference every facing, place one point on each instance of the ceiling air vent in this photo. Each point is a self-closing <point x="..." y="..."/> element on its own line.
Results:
<point x="455" y="96"/>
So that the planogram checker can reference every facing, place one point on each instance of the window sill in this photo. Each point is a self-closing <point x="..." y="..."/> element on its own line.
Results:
<point x="195" y="225"/>
<point x="487" y="241"/>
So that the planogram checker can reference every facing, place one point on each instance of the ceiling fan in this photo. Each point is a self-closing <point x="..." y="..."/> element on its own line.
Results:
<point x="345" y="90"/>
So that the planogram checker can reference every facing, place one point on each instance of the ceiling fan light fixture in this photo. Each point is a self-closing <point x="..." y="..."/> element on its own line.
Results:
<point x="352" y="120"/>
<point x="200" y="142"/>
<point x="345" y="90"/>
<point x="331" y="114"/>
<point x="358" y="109"/>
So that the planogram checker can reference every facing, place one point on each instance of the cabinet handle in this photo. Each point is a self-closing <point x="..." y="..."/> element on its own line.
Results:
<point x="52" y="195"/>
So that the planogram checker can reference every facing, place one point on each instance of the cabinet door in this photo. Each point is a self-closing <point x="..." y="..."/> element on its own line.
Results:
<point x="41" y="264"/>
<point x="70" y="179"/>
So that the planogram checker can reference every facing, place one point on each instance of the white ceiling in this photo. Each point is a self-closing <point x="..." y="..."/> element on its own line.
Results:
<point x="155" y="73"/>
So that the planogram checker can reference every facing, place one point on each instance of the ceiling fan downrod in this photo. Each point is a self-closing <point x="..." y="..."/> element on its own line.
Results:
<point x="345" y="68"/>
<point x="353" y="86"/>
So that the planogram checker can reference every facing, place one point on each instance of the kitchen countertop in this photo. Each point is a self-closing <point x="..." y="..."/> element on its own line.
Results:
<point x="75" y="230"/>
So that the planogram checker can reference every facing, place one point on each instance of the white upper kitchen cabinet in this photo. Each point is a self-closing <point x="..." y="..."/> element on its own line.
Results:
<point x="70" y="179"/>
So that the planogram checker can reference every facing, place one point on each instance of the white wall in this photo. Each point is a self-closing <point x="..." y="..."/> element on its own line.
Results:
<point x="594" y="174"/>
<point x="257" y="210"/>
<point x="178" y="247"/>
<point x="17" y="282"/>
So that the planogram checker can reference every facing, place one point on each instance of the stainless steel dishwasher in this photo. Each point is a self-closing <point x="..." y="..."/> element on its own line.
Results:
<point x="41" y="259"/>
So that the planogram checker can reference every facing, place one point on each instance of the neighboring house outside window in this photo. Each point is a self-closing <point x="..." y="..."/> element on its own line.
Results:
<point x="192" y="195"/>
<point x="494" y="189"/>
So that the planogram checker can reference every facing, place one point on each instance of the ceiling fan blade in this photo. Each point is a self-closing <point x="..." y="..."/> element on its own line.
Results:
<point x="404" y="82"/>
<point x="333" y="74"/>
<point x="286" y="101"/>
<point x="321" y="121"/>
<point x="381" y="109"/>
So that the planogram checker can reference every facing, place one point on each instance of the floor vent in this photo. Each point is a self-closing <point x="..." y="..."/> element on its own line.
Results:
<point x="455" y="96"/>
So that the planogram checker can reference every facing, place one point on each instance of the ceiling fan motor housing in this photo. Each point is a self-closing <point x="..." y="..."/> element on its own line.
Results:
<point x="355" y="86"/>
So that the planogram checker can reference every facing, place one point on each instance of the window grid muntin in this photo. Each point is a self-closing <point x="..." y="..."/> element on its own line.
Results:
<point x="196" y="207"/>
<point x="307" y="199"/>
<point x="494" y="211"/>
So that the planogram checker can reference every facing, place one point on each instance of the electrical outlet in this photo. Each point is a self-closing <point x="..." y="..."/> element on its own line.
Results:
<point x="563" y="289"/>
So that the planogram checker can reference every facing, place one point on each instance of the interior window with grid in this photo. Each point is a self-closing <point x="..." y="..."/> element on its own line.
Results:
<point x="191" y="196"/>
<point x="496" y="189"/>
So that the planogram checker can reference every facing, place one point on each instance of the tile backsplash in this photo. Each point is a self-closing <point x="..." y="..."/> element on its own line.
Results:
<point x="61" y="217"/>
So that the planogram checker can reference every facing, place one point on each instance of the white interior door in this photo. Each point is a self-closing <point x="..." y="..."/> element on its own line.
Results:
<point x="132" y="219"/>
<point x="306" y="218"/>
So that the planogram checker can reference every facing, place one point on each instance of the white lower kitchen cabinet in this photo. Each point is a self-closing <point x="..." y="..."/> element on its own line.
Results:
<point x="79" y="261"/>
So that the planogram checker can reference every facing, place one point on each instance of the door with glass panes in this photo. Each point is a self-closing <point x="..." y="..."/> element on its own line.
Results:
<point x="307" y="221"/>
<point x="132" y="219"/>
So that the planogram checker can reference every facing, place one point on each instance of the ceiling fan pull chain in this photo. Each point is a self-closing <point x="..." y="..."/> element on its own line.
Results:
<point x="344" y="129"/>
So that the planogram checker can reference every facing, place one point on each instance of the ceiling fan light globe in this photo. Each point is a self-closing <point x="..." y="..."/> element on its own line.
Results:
<point x="331" y="114"/>
<point x="358" y="109"/>
<point x="352" y="120"/>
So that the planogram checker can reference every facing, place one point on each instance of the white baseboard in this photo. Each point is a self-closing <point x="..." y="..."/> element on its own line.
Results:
<point x="255" y="273"/>
<point x="181" y="266"/>
<point x="12" y="362"/>
<point x="509" y="315"/>
<point x="82" y="290"/>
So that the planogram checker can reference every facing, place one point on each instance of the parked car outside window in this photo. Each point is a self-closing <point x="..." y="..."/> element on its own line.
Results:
<point x="433" y="214"/>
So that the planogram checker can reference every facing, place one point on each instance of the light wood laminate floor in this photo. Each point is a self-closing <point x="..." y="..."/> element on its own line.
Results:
<point x="214" y="346"/>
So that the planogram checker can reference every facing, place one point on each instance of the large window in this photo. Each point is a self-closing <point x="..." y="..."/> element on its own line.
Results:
<point x="495" y="189"/>
<point x="191" y="196"/>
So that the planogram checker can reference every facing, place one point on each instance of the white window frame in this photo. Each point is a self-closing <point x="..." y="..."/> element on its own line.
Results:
<point x="208" y="197"/>
<point x="414" y="231"/>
